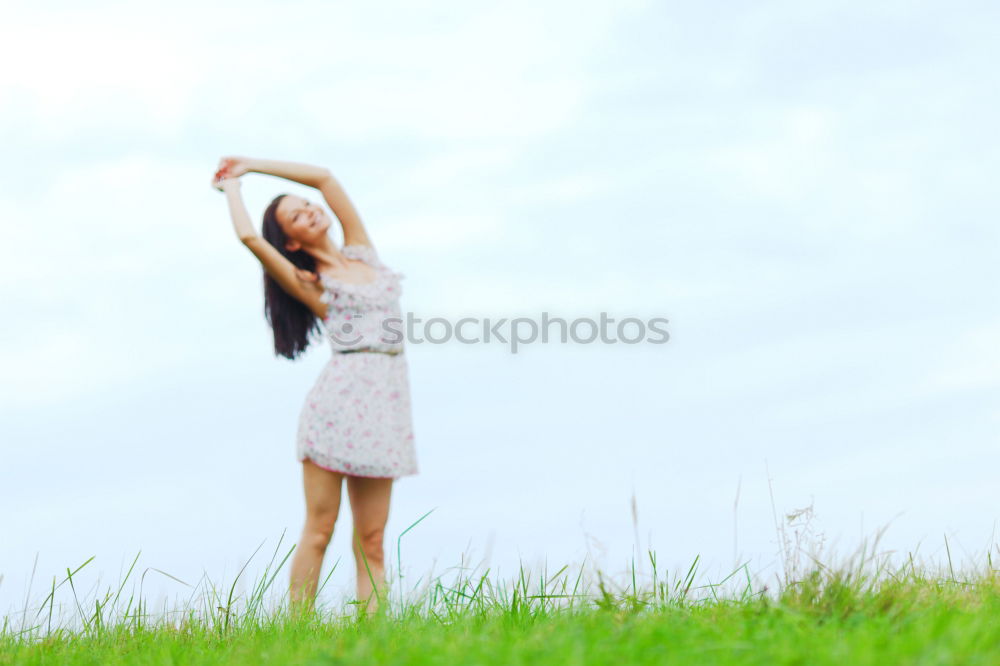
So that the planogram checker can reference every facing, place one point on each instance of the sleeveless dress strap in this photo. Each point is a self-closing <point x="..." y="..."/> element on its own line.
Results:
<point x="365" y="253"/>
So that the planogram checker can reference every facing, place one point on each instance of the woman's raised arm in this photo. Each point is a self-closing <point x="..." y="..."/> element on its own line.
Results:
<point x="338" y="201"/>
<point x="318" y="177"/>
<point x="237" y="209"/>
<point x="295" y="281"/>
<point x="307" y="174"/>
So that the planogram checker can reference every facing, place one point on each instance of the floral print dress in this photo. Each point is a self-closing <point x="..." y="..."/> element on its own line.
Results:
<point x="357" y="419"/>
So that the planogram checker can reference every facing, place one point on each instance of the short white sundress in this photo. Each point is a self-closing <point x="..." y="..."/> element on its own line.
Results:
<point x="357" y="417"/>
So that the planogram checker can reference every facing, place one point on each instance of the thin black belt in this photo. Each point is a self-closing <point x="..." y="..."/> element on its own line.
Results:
<point x="390" y="352"/>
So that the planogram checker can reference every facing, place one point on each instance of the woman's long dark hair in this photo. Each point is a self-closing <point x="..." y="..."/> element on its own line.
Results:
<point x="290" y="319"/>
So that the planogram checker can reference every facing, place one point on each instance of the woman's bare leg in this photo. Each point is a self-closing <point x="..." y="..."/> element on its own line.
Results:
<point x="370" y="508"/>
<point x="322" y="490"/>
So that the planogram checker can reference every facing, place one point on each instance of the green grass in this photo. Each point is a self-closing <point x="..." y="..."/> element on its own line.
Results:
<point x="848" y="615"/>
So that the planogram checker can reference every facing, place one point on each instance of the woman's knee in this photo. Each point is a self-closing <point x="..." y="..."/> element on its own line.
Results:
<point x="319" y="529"/>
<point x="371" y="542"/>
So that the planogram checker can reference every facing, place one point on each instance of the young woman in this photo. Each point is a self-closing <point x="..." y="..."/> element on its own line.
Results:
<point x="356" y="422"/>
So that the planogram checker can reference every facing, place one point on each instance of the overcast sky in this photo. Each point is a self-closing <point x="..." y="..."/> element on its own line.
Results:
<point x="807" y="191"/>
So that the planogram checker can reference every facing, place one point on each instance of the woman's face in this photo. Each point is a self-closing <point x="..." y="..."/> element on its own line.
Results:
<point x="304" y="222"/>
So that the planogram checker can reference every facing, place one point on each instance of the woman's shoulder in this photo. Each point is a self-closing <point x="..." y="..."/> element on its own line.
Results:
<point x="365" y="253"/>
<point x="369" y="254"/>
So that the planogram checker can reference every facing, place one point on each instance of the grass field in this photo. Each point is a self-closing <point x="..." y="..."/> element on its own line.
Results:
<point x="857" y="613"/>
